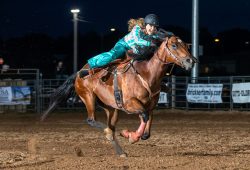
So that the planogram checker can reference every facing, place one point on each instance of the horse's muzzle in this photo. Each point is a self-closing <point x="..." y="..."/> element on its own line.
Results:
<point x="188" y="63"/>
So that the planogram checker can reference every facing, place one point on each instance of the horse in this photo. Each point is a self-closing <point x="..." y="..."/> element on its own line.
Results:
<point x="138" y="84"/>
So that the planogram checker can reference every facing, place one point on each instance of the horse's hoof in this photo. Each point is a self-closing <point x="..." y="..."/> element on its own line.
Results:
<point x="109" y="137"/>
<point x="91" y="122"/>
<point x="124" y="155"/>
<point x="109" y="134"/>
<point x="125" y="133"/>
<point x="133" y="138"/>
<point x="145" y="136"/>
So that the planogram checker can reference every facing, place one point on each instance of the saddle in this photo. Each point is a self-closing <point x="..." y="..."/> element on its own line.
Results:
<point x="118" y="63"/>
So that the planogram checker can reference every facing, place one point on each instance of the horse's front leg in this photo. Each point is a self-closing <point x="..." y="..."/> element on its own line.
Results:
<point x="135" y="106"/>
<point x="146" y="133"/>
<point x="109" y="131"/>
<point x="112" y="118"/>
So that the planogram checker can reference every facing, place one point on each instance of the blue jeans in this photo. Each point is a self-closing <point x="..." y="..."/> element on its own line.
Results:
<point x="105" y="58"/>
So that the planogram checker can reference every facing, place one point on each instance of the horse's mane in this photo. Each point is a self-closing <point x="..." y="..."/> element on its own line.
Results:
<point x="145" y="53"/>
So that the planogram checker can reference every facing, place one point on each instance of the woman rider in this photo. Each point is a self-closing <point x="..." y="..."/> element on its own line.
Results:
<point x="140" y="29"/>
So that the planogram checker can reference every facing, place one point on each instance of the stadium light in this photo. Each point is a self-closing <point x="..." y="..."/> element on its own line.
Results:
<point x="102" y="37"/>
<point x="112" y="29"/>
<point x="216" y="40"/>
<point x="75" y="11"/>
<point x="75" y="20"/>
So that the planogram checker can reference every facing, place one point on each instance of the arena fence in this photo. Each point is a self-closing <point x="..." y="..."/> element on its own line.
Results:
<point x="13" y="78"/>
<point x="175" y="98"/>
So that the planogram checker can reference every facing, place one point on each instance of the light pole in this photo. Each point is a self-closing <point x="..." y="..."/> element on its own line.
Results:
<point x="75" y="20"/>
<point x="195" y="39"/>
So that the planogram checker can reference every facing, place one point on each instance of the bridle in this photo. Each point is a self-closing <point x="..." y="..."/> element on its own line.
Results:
<point x="166" y="48"/>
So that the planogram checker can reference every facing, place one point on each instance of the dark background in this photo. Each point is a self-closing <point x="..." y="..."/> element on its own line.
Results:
<point x="37" y="34"/>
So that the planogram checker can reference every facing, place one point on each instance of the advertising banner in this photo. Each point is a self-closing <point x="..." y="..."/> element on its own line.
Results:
<point x="15" y="95"/>
<point x="241" y="92"/>
<point x="204" y="93"/>
<point x="163" y="98"/>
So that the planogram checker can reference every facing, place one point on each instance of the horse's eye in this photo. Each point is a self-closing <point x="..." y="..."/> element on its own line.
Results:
<point x="174" y="46"/>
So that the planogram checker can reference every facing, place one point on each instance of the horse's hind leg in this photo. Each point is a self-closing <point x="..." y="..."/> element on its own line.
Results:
<point x="88" y="98"/>
<point x="112" y="118"/>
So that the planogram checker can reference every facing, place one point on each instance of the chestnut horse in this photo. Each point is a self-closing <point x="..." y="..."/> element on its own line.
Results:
<point x="139" y="84"/>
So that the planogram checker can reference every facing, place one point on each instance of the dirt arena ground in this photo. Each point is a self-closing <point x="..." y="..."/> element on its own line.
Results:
<point x="179" y="140"/>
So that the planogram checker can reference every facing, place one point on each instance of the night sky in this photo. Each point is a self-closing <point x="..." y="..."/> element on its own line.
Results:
<point x="53" y="17"/>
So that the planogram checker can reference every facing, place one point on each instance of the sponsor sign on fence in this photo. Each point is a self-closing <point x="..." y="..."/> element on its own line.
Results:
<point x="204" y="93"/>
<point x="163" y="98"/>
<point x="241" y="92"/>
<point x="15" y="95"/>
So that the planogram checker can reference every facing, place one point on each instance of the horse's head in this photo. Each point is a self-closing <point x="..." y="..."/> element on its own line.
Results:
<point x="174" y="50"/>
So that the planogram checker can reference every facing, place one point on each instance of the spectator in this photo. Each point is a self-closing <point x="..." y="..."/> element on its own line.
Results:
<point x="5" y="68"/>
<point x="60" y="71"/>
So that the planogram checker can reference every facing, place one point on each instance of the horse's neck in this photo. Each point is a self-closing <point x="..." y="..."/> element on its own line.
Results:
<point x="152" y="71"/>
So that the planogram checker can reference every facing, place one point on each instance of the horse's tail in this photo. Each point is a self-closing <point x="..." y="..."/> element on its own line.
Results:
<point x="62" y="92"/>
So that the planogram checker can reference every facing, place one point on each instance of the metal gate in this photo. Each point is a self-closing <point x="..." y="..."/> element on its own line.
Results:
<point x="22" y="77"/>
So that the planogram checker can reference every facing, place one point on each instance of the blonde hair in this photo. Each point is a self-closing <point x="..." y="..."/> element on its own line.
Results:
<point x="132" y="22"/>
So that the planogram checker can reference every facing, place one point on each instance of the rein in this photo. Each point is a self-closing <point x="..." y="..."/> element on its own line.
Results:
<point x="164" y="62"/>
<point x="145" y="84"/>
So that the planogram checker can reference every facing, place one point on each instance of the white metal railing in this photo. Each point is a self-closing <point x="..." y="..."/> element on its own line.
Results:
<point x="176" y="97"/>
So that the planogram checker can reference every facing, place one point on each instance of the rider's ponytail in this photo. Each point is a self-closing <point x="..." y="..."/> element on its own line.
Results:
<point x="132" y="22"/>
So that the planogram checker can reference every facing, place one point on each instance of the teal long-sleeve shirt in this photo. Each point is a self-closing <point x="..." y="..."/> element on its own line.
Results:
<point x="130" y="41"/>
<point x="135" y="38"/>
